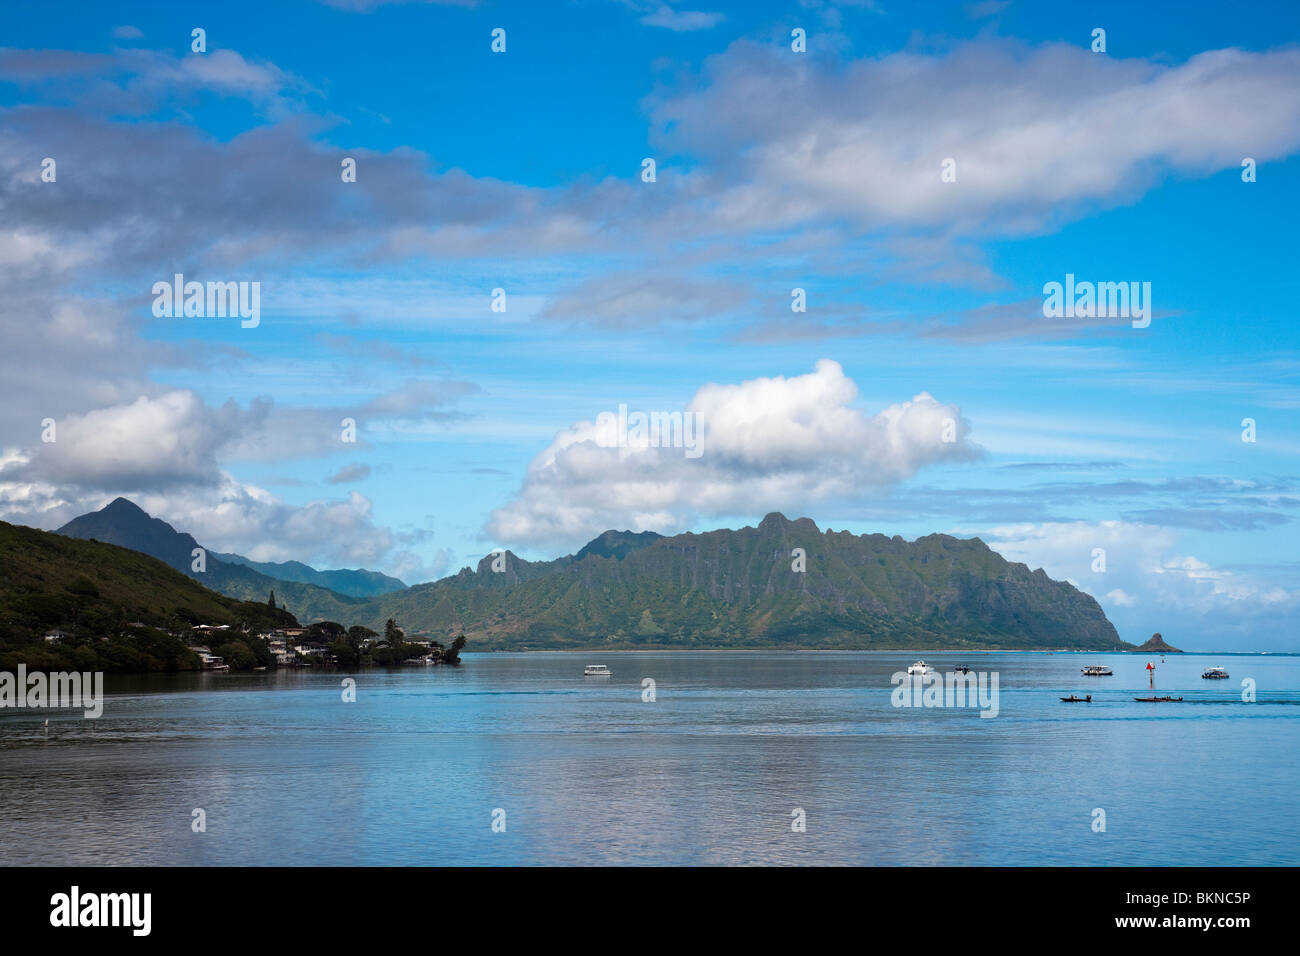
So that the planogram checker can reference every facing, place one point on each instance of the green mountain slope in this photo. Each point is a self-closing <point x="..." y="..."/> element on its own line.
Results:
<point x="94" y="590"/>
<point x="124" y="523"/>
<point x="718" y="589"/>
<point x="737" y="589"/>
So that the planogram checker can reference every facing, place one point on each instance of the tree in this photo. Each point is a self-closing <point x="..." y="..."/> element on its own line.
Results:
<point x="347" y="652"/>
<point x="237" y="654"/>
<point x="271" y="599"/>
<point x="452" y="654"/>
<point x="392" y="633"/>
<point x="326" y="632"/>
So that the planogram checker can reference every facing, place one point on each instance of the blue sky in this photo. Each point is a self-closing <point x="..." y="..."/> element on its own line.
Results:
<point x="775" y="170"/>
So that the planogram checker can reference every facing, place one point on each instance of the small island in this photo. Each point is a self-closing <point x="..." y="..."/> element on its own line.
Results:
<point x="1156" y="645"/>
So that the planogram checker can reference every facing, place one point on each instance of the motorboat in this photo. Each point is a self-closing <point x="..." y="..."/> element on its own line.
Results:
<point x="1215" y="673"/>
<point x="1097" y="670"/>
<point x="962" y="669"/>
<point x="596" y="670"/>
<point x="1159" y="700"/>
<point x="1072" y="699"/>
<point x="920" y="667"/>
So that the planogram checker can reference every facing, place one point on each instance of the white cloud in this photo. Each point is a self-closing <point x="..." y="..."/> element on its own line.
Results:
<point x="1035" y="133"/>
<point x="1121" y="598"/>
<point x="172" y="437"/>
<point x="228" y="515"/>
<point x="261" y="526"/>
<point x="161" y="440"/>
<point x="1160" y="588"/>
<point x="766" y="444"/>
<point x="681" y="20"/>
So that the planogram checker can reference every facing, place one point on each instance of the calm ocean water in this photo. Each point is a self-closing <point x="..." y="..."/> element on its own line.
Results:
<point x="709" y="773"/>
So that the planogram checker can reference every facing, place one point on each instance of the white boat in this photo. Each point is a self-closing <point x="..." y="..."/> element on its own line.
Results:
<point x="596" y="670"/>
<point x="1215" y="673"/>
<point x="920" y="667"/>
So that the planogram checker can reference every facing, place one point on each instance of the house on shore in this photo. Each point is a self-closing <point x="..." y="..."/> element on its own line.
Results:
<point x="209" y="661"/>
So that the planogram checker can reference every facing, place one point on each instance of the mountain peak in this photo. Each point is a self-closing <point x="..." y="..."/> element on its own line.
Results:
<point x="124" y="523"/>
<point x="123" y="506"/>
<point x="775" y="521"/>
<point x="617" y="544"/>
<point x="1157" y="644"/>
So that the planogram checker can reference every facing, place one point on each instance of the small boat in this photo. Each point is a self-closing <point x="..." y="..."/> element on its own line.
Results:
<point x="920" y="667"/>
<point x="962" y="669"/>
<point x="1097" y="670"/>
<point x="1159" y="700"/>
<point x="1077" y="700"/>
<point x="596" y="670"/>
<point x="1215" y="673"/>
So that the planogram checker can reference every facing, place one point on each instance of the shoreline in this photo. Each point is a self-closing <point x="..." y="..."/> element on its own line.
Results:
<point x="861" y="650"/>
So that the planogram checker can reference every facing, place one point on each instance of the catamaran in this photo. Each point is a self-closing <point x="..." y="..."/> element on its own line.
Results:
<point x="920" y="667"/>
<point x="1215" y="673"/>
<point x="596" y="670"/>
<point x="1097" y="670"/>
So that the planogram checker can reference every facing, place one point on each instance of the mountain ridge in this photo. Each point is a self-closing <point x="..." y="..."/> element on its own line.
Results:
<point x="728" y="588"/>
<point x="747" y="587"/>
<point x="350" y="582"/>
<point x="124" y="523"/>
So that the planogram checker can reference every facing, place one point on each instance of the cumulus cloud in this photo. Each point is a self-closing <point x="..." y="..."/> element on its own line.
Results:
<point x="151" y="442"/>
<point x="765" y="444"/>
<point x="251" y="521"/>
<point x="223" y="514"/>
<point x="173" y="438"/>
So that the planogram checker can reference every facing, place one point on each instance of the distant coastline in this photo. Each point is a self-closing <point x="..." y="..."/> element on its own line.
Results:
<point x="857" y="650"/>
